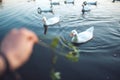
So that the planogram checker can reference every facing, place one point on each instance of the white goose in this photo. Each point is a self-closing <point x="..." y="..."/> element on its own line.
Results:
<point x="45" y="10"/>
<point x="90" y="3"/>
<point x="69" y="2"/>
<point x="50" y="21"/>
<point x="83" y="36"/>
<point x="55" y="2"/>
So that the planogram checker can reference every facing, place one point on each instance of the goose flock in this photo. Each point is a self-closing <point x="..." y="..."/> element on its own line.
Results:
<point x="76" y="37"/>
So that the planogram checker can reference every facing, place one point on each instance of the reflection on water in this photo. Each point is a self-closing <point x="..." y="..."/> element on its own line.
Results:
<point x="99" y="58"/>
<point x="0" y="3"/>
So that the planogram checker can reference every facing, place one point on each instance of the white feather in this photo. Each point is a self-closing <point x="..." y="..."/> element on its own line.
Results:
<point x="86" y="8"/>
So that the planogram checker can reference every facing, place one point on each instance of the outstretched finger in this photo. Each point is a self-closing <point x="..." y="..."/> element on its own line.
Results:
<point x="29" y="34"/>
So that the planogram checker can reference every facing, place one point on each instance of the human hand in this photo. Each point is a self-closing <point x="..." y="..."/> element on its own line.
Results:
<point x="17" y="46"/>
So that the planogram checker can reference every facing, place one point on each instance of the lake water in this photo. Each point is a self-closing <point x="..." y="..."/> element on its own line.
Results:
<point x="99" y="58"/>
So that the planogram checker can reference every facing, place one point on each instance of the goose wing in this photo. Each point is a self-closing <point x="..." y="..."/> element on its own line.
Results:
<point x="52" y="21"/>
<point x="86" y="35"/>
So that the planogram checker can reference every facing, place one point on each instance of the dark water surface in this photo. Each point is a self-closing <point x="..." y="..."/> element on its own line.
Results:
<point x="99" y="58"/>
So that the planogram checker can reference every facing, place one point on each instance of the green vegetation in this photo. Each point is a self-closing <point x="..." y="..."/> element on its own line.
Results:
<point x="72" y="55"/>
<point x="55" y="75"/>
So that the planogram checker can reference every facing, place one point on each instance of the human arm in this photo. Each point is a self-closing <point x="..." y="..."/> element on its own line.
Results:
<point x="2" y="65"/>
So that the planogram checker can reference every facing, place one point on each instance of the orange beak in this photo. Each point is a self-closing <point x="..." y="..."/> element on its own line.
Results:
<point x="71" y="35"/>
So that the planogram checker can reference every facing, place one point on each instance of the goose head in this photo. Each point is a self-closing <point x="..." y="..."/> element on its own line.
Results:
<point x="84" y="3"/>
<point x="44" y="19"/>
<point x="73" y="33"/>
